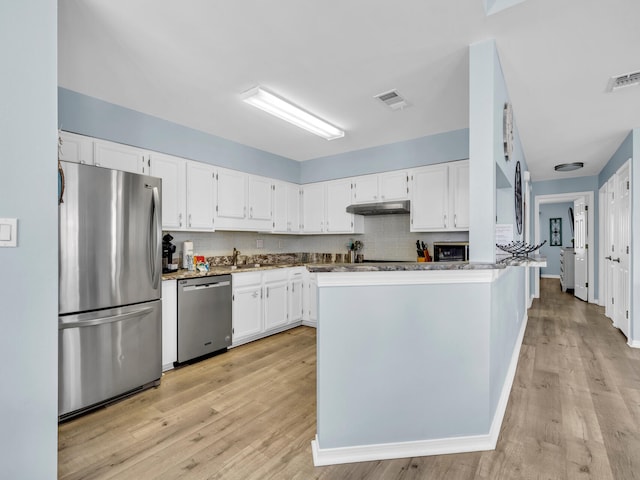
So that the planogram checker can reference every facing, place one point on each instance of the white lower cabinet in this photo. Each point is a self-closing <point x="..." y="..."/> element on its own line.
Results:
<point x="247" y="307"/>
<point x="262" y="303"/>
<point x="296" y="288"/>
<point x="169" y="323"/>
<point x="310" y="300"/>
<point x="276" y="309"/>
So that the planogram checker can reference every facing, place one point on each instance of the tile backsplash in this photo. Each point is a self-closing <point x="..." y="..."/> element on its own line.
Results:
<point x="387" y="237"/>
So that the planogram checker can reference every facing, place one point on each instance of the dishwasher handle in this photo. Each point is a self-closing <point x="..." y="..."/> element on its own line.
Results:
<point x="191" y="288"/>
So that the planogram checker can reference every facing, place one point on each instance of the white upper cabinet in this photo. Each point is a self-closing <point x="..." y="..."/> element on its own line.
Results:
<point x="260" y="197"/>
<point x="324" y="208"/>
<point x="313" y="208"/>
<point x="365" y="189"/>
<point x="293" y="208"/>
<point x="243" y="201"/>
<point x="76" y="148"/>
<point x="231" y="205"/>
<point x="286" y="207"/>
<point x="440" y="197"/>
<point x="459" y="194"/>
<point x="338" y="198"/>
<point x="393" y="186"/>
<point x="119" y="157"/>
<point x="201" y="188"/>
<point x="172" y="171"/>
<point x="382" y="187"/>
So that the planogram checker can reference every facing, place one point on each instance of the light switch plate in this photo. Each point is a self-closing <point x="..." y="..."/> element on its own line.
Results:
<point x="8" y="232"/>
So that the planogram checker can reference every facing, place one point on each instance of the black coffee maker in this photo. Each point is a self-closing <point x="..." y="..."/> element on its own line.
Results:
<point x="168" y="249"/>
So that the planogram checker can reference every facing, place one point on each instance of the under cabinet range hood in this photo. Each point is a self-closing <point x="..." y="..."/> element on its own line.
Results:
<point x="381" y="208"/>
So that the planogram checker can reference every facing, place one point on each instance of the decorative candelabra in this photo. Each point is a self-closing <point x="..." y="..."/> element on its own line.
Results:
<point x="519" y="249"/>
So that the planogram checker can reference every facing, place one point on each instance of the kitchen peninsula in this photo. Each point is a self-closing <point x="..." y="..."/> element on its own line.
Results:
<point x="415" y="359"/>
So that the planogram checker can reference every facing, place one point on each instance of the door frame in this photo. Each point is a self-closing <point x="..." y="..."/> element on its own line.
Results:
<point x="562" y="198"/>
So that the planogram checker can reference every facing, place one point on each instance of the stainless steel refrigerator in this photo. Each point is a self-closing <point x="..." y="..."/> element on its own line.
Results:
<point x="110" y="313"/>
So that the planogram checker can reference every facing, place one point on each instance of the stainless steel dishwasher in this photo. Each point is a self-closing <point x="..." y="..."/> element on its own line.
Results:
<point x="204" y="316"/>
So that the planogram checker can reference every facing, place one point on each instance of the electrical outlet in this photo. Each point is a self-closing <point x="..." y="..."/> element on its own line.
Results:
<point x="259" y="243"/>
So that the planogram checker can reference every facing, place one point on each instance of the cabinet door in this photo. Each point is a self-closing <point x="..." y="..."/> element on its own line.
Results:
<point x="172" y="171"/>
<point x="119" y="157"/>
<point x="338" y="199"/>
<point x="260" y="190"/>
<point x="295" y="297"/>
<point x="313" y="299"/>
<point x="313" y="208"/>
<point x="430" y="199"/>
<point x="200" y="196"/>
<point x="280" y="208"/>
<point x="169" y="324"/>
<point x="365" y="189"/>
<point x="293" y="208"/>
<point x="231" y="205"/>
<point x="459" y="195"/>
<point x="247" y="311"/>
<point x="275" y="304"/>
<point x="393" y="186"/>
<point x="76" y="148"/>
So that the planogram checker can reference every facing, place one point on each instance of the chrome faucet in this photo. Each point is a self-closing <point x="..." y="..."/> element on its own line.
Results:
<point x="234" y="257"/>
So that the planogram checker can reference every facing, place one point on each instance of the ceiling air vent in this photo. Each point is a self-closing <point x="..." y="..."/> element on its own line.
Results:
<point x="621" y="81"/>
<point x="392" y="99"/>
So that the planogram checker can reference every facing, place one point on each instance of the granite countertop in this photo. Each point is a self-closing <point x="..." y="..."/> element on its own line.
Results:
<point x="225" y="270"/>
<point x="501" y="263"/>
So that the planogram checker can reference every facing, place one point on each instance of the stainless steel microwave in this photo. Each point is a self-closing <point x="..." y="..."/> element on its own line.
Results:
<point x="451" y="251"/>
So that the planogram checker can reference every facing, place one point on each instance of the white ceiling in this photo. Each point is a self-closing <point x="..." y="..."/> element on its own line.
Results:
<point x="189" y="61"/>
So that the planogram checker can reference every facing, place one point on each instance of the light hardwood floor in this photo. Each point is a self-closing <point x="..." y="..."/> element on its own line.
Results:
<point x="574" y="412"/>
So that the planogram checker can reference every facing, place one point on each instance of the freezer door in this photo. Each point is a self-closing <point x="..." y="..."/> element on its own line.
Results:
<point x="106" y="354"/>
<point x="110" y="238"/>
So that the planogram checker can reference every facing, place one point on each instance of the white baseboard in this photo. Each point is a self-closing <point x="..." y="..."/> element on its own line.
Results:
<point x="421" y="448"/>
<point x="530" y="302"/>
<point x="548" y="275"/>
<point x="634" y="343"/>
<point x="309" y="323"/>
<point x="388" y="451"/>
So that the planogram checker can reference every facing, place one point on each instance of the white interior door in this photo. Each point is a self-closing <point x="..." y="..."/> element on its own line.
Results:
<point x="581" y="264"/>
<point x="620" y="258"/>
<point x="610" y="238"/>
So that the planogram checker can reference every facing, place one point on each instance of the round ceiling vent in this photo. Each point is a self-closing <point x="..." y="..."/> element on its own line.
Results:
<point x="568" y="167"/>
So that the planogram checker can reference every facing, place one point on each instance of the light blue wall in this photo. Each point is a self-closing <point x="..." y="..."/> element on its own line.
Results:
<point x="439" y="148"/>
<point x="29" y="280"/>
<point x="89" y="116"/>
<point x="413" y="362"/>
<point x="623" y="153"/>
<point x="507" y="315"/>
<point x="554" y="210"/>
<point x="491" y="175"/>
<point x="397" y="363"/>
<point x="96" y="118"/>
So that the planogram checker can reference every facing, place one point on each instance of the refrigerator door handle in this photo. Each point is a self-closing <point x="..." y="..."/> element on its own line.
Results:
<point x="103" y="320"/>
<point x="156" y="234"/>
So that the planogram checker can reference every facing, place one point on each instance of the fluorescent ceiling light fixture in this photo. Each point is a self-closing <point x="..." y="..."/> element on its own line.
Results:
<point x="283" y="109"/>
<point x="568" y="167"/>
